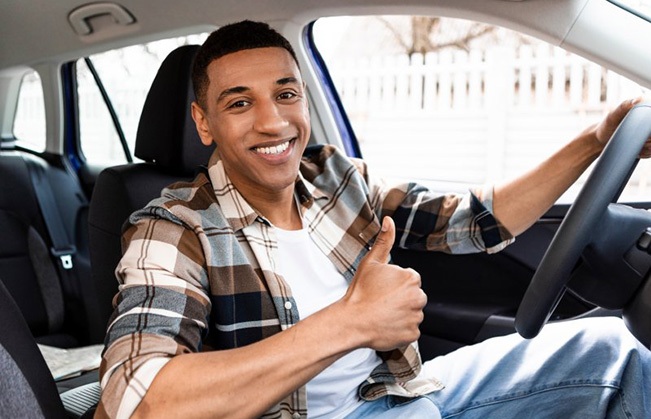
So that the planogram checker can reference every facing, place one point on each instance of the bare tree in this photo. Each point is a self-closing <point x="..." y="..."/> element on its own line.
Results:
<point x="425" y="34"/>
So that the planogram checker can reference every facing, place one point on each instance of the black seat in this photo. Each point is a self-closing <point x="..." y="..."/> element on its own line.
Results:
<point x="57" y="309"/>
<point x="168" y="143"/>
<point x="27" y="389"/>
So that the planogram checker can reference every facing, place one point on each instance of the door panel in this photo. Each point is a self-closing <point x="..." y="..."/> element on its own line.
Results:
<point x="474" y="297"/>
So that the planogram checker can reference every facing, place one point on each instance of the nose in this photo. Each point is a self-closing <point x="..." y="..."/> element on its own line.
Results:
<point x="269" y="118"/>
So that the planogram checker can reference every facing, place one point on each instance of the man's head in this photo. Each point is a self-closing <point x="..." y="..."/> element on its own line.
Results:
<point x="229" y="39"/>
<point x="252" y="103"/>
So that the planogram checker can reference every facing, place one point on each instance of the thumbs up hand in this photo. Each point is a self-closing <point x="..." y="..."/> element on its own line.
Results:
<point x="386" y="300"/>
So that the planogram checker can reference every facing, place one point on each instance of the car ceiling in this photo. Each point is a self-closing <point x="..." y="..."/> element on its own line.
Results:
<point x="30" y="38"/>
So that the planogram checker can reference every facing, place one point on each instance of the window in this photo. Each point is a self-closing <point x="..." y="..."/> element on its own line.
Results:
<point x="454" y="103"/>
<point x="126" y="75"/>
<point x="29" y="122"/>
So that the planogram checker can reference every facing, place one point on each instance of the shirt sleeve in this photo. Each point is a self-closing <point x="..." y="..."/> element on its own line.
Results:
<point x="425" y="220"/>
<point x="160" y="312"/>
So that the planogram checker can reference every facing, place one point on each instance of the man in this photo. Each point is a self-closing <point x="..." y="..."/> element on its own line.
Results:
<point x="253" y="290"/>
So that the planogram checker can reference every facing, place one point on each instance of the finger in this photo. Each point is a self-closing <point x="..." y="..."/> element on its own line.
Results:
<point x="620" y="112"/>
<point x="384" y="242"/>
<point x="637" y="100"/>
<point x="645" y="153"/>
<point x="414" y="275"/>
<point x="608" y="125"/>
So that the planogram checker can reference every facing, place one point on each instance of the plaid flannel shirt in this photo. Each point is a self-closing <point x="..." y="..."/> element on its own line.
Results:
<point x="198" y="269"/>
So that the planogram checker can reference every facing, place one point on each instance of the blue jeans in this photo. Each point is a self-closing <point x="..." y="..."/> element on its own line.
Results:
<point x="591" y="368"/>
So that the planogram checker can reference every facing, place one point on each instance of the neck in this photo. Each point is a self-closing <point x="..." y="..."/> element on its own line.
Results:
<point x="279" y="207"/>
<point x="281" y="213"/>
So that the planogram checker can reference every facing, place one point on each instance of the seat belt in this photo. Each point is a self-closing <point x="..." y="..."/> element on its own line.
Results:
<point x="62" y="250"/>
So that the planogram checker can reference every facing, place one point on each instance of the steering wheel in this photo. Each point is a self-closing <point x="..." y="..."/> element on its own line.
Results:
<point x="604" y="184"/>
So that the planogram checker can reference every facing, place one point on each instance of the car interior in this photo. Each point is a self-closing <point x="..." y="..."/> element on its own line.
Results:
<point x="61" y="214"/>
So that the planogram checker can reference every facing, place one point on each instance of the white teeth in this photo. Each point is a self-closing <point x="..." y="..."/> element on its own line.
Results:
<point x="273" y="150"/>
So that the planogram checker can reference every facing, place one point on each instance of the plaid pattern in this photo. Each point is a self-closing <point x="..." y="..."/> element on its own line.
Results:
<point x="198" y="269"/>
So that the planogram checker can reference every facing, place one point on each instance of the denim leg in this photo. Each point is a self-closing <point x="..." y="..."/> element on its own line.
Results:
<point x="591" y="368"/>
<point x="388" y="408"/>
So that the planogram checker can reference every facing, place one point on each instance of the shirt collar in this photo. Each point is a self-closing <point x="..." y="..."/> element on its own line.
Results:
<point x="235" y="207"/>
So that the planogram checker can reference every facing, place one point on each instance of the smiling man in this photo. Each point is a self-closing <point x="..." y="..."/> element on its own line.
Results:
<point x="261" y="125"/>
<point x="254" y="290"/>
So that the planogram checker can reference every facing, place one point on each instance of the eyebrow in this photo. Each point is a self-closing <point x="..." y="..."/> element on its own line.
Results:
<point x="242" y="89"/>
<point x="286" y="80"/>
<point x="232" y="91"/>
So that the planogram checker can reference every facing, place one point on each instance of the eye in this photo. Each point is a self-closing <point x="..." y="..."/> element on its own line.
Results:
<point x="287" y="95"/>
<point x="238" y="104"/>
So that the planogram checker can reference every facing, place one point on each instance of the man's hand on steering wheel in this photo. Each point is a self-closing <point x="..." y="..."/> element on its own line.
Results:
<point x="604" y="130"/>
<point x="629" y="125"/>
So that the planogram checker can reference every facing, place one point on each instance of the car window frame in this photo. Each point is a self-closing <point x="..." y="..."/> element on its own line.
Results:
<point x="342" y="121"/>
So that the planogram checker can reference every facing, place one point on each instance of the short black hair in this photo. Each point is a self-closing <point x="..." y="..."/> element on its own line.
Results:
<point x="232" y="38"/>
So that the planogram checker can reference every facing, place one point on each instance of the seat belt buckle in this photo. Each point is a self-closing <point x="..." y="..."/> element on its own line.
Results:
<point x="65" y="256"/>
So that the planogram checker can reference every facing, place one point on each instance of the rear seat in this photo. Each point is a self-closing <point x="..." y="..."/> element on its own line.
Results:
<point x="59" y="311"/>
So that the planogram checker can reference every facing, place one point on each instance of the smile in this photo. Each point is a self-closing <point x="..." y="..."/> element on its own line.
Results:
<point x="273" y="150"/>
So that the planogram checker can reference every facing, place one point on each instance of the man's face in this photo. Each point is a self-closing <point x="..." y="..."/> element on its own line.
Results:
<point x="257" y="113"/>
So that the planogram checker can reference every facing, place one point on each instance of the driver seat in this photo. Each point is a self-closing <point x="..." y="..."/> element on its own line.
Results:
<point x="168" y="143"/>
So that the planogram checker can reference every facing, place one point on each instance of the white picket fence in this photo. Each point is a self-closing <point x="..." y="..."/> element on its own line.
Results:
<point x="470" y="118"/>
<point x="540" y="76"/>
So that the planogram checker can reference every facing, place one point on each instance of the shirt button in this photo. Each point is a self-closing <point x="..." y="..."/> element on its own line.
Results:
<point x="288" y="306"/>
<point x="296" y="415"/>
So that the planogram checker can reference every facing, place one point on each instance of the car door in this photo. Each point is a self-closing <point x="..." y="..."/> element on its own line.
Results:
<point x="477" y="105"/>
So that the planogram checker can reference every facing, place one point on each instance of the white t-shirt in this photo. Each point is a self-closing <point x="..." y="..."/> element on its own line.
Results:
<point x="315" y="284"/>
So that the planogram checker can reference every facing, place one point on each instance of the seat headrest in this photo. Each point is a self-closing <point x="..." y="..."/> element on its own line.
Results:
<point x="167" y="135"/>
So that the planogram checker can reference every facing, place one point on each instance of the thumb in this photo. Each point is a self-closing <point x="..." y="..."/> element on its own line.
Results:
<point x="384" y="242"/>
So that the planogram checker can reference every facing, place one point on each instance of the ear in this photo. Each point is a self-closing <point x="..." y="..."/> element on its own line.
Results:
<point x="201" y="121"/>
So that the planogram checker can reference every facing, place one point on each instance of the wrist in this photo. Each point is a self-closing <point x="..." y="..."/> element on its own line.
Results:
<point x="590" y="142"/>
<point x="350" y="322"/>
